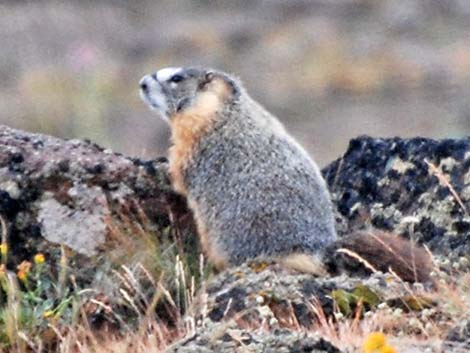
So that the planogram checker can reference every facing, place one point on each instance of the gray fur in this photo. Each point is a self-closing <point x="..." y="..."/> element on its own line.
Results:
<point x="256" y="189"/>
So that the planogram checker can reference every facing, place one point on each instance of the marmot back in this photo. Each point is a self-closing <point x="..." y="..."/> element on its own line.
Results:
<point x="253" y="189"/>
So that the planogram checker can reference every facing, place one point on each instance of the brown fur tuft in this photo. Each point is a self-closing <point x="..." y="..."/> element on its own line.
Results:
<point x="304" y="263"/>
<point x="383" y="251"/>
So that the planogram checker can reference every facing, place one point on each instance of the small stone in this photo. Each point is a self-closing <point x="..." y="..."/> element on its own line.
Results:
<point x="429" y="327"/>
<point x="11" y="188"/>
<point x="464" y="262"/>
<point x="445" y="263"/>
<point x="409" y="220"/>
<point x="426" y="312"/>
<point x="273" y="321"/>
<point x="397" y="312"/>
<point x="339" y="316"/>
<point x="382" y="306"/>
<point x="265" y="311"/>
<point x="418" y="287"/>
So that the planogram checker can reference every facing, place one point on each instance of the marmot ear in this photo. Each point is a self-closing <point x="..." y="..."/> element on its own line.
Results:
<point x="208" y="77"/>
<point x="234" y="86"/>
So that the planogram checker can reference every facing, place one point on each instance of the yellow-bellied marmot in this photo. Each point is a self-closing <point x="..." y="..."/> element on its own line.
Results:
<point x="253" y="189"/>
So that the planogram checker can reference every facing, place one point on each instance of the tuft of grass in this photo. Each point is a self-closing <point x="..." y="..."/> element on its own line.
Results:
<point x="388" y="329"/>
<point x="65" y="327"/>
<point x="42" y="308"/>
<point x="32" y="305"/>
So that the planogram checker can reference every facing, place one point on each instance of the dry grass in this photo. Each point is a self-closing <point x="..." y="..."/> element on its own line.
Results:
<point x="42" y="312"/>
<point x="423" y="329"/>
<point x="53" y="331"/>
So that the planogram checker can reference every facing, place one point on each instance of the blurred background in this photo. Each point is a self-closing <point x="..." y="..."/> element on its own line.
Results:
<point x="329" y="69"/>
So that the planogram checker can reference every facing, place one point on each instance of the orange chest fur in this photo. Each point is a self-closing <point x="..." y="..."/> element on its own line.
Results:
<point x="187" y="131"/>
<point x="189" y="127"/>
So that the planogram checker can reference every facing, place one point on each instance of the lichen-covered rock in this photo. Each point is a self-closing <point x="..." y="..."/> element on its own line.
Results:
<point x="82" y="228"/>
<point x="73" y="193"/>
<point x="263" y="307"/>
<point x="268" y="292"/>
<point x="416" y="187"/>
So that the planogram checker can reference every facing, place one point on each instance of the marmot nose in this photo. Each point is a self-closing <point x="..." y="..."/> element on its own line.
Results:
<point x="144" y="87"/>
<point x="145" y="83"/>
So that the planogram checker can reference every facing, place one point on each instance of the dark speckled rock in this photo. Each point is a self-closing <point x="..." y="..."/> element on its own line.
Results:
<point x="458" y="338"/>
<point x="390" y="184"/>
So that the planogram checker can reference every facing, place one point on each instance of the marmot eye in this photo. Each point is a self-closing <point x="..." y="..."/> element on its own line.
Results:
<point x="176" y="78"/>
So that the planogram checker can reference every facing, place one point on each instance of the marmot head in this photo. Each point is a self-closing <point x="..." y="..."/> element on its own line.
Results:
<point x="172" y="90"/>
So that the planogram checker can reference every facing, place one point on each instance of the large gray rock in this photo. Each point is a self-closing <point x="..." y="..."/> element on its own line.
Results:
<point x="262" y="307"/>
<point x="75" y="194"/>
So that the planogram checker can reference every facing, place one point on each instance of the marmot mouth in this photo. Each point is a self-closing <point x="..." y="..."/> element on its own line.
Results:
<point x="152" y="93"/>
<point x="145" y="95"/>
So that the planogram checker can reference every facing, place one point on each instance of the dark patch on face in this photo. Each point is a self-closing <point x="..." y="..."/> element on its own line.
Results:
<point x="183" y="104"/>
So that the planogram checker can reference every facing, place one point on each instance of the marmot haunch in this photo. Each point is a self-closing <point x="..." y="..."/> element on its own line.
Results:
<point x="253" y="189"/>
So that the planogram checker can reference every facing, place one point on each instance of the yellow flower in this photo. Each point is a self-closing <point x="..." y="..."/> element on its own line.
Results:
<point x="48" y="313"/>
<point x="23" y="270"/>
<point x="22" y="275"/>
<point x="375" y="342"/>
<point x="4" y="249"/>
<point x="39" y="259"/>
<point x="388" y="349"/>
